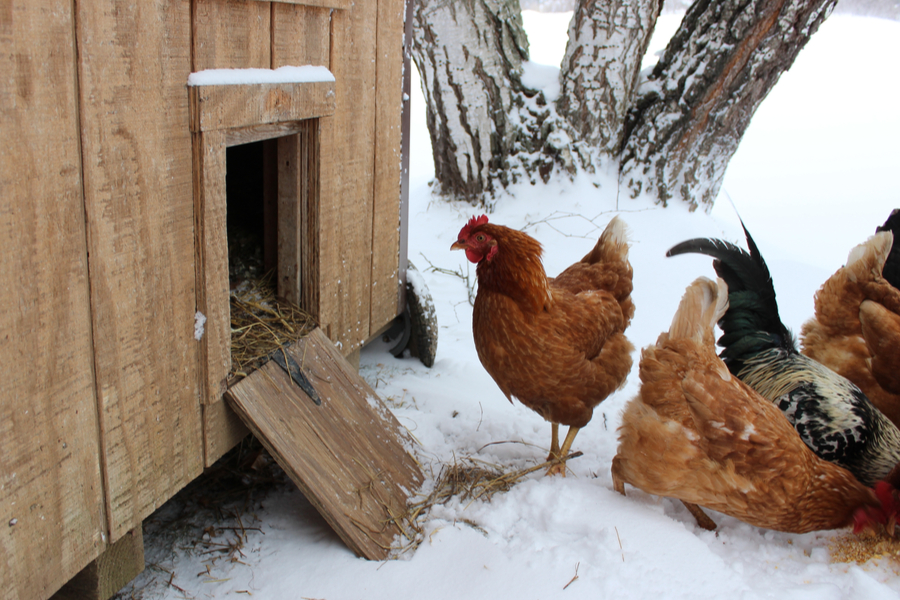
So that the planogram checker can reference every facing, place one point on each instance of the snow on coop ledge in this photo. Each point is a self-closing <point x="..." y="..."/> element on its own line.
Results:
<point x="304" y="74"/>
<point x="233" y="98"/>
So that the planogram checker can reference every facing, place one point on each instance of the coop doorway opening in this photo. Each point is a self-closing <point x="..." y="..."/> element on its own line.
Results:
<point x="263" y="321"/>
<point x="251" y="189"/>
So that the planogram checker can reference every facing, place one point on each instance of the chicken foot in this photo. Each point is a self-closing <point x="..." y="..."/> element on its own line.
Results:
<point x="701" y="517"/>
<point x="558" y="453"/>
<point x="703" y="520"/>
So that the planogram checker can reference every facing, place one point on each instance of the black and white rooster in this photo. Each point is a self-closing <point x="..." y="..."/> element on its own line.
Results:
<point x="833" y="417"/>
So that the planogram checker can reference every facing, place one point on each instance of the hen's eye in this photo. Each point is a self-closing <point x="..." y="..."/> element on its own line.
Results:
<point x="480" y="237"/>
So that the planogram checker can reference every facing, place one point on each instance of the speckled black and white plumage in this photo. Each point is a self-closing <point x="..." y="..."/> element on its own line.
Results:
<point x="833" y="417"/>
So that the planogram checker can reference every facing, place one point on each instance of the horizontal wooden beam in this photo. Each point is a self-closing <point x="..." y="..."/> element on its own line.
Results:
<point x="215" y="107"/>
<point x="339" y="4"/>
<point x="258" y="133"/>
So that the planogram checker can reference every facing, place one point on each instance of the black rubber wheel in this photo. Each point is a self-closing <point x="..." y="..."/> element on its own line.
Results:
<point x="422" y="318"/>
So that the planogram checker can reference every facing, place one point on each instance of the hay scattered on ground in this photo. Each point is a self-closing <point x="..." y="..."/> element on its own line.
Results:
<point x="469" y="480"/>
<point x="213" y="518"/>
<point x="850" y="548"/>
<point x="260" y="324"/>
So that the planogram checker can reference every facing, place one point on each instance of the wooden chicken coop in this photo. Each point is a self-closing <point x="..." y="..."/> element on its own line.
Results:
<point x="113" y="204"/>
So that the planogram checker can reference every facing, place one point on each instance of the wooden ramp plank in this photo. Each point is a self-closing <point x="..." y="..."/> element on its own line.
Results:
<point x="348" y="455"/>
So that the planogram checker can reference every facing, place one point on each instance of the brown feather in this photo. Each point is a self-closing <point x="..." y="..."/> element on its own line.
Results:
<point x="698" y="434"/>
<point x="857" y="325"/>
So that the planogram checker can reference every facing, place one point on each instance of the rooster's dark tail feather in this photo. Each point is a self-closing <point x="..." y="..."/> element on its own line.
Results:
<point x="751" y="324"/>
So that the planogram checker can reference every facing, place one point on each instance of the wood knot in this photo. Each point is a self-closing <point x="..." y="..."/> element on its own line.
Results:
<point x="277" y="100"/>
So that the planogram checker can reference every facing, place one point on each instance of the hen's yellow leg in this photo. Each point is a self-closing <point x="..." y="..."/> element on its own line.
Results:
<point x="554" y="441"/>
<point x="560" y="468"/>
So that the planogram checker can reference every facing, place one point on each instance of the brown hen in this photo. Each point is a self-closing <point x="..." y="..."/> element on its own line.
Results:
<point x="697" y="433"/>
<point x="856" y="327"/>
<point x="557" y="345"/>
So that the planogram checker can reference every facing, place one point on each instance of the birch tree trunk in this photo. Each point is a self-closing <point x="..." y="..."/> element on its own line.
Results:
<point x="600" y="69"/>
<point x="469" y="54"/>
<point x="692" y="111"/>
<point x="672" y="134"/>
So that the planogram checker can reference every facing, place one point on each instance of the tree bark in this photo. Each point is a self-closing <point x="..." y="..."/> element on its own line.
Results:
<point x="469" y="54"/>
<point x="599" y="73"/>
<point x="693" y="109"/>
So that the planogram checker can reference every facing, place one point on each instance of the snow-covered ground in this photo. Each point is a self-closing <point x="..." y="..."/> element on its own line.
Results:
<point x="814" y="175"/>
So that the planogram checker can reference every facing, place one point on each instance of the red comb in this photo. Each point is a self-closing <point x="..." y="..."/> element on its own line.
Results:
<point x="473" y="222"/>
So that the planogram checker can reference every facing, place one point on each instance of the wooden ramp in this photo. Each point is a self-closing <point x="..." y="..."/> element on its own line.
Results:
<point x="348" y="455"/>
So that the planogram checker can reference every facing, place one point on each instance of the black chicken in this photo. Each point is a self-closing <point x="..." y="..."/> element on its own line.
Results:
<point x="833" y="417"/>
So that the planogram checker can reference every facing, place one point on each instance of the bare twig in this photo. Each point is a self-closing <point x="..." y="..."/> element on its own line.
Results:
<point x="571" y="581"/>
<point x="622" y="550"/>
<point x="558" y="215"/>
<point x="470" y="286"/>
<point x="481" y="408"/>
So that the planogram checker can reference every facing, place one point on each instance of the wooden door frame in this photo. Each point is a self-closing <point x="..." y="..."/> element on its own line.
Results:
<point x="300" y="116"/>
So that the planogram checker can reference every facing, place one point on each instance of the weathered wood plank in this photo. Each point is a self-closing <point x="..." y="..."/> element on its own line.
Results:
<point x="405" y="117"/>
<point x="319" y="135"/>
<point x="51" y="506"/>
<point x="388" y="134"/>
<point x="347" y="455"/>
<point x="245" y="105"/>
<point x="232" y="34"/>
<point x="258" y="133"/>
<point x="210" y="199"/>
<point x="301" y="35"/>
<point x="293" y="186"/>
<point x="222" y="430"/>
<point x="134" y="61"/>
<point x="345" y="218"/>
<point x="340" y="4"/>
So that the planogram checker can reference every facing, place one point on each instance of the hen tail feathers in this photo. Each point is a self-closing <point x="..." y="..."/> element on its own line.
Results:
<point x="751" y="323"/>
<point x="868" y="259"/>
<point x="703" y="304"/>
<point x="612" y="245"/>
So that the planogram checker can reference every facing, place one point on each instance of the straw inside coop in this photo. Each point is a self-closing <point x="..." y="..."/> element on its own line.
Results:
<point x="262" y="323"/>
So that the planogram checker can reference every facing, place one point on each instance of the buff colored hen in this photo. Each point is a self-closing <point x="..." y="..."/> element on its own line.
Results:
<point x="695" y="432"/>
<point x="856" y="327"/>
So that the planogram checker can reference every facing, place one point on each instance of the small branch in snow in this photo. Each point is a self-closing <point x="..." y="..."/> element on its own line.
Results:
<point x="524" y="443"/>
<point x="622" y="550"/>
<point x="557" y="215"/>
<point x="171" y="578"/>
<point x="571" y="581"/>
